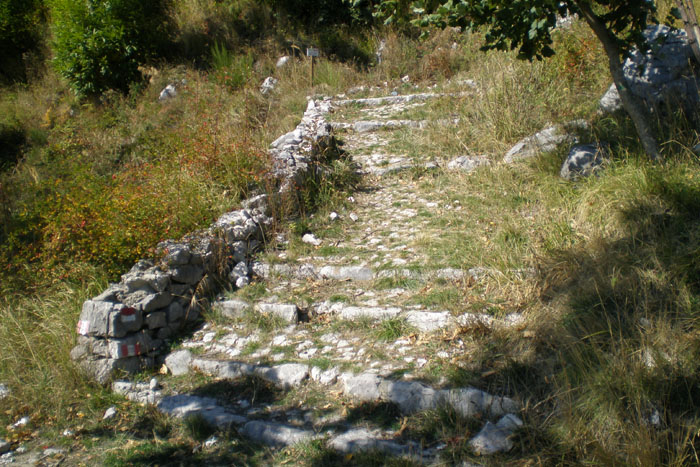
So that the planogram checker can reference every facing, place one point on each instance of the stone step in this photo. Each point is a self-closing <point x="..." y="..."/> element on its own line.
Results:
<point x="402" y="99"/>
<point x="362" y="273"/>
<point x="367" y="126"/>
<point x="409" y="396"/>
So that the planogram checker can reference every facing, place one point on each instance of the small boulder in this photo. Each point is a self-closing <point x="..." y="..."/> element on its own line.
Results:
<point x="167" y="93"/>
<point x="583" y="160"/>
<point x="468" y="163"/>
<point x="282" y="61"/>
<point x="496" y="438"/>
<point x="268" y="85"/>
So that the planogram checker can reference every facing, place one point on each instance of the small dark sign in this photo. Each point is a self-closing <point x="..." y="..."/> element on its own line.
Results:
<point x="311" y="52"/>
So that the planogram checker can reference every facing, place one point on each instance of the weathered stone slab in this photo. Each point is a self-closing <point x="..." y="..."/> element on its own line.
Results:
<point x="468" y="163"/>
<point x="184" y="405"/>
<point x="364" y="387"/>
<point x="223" y="369"/>
<point x="351" y="313"/>
<point x="344" y="273"/>
<point x="178" y="362"/>
<point x="363" y="439"/>
<point x="130" y="346"/>
<point x="427" y="321"/>
<point x="286" y="376"/>
<point x="105" y="319"/>
<point x="288" y="312"/>
<point x="234" y="308"/>
<point x="470" y="402"/>
<point x="274" y="434"/>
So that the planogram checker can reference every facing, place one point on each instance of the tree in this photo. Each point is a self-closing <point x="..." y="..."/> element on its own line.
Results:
<point x="99" y="44"/>
<point x="526" y="25"/>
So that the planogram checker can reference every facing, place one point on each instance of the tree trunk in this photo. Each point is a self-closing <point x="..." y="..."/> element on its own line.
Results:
<point x="629" y="101"/>
<point x="690" y="23"/>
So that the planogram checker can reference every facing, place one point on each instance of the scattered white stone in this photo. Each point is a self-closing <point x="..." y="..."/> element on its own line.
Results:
<point x="67" y="432"/>
<point x="212" y="441"/>
<point x="496" y="438"/>
<point x="268" y="85"/>
<point x="154" y="385"/>
<point x="21" y="422"/>
<point x="311" y="239"/>
<point x="48" y="452"/>
<point x="351" y="199"/>
<point x="168" y="92"/>
<point x="327" y="377"/>
<point x="468" y="163"/>
<point x="4" y="391"/>
<point x="208" y="337"/>
<point x="611" y="102"/>
<point x="7" y="458"/>
<point x="334" y="216"/>
<point x="282" y="61"/>
<point x="242" y="282"/>
<point x="406" y="79"/>
<point x="109" y="413"/>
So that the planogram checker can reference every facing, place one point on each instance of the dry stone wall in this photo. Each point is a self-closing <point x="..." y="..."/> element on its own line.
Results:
<point x="126" y="326"/>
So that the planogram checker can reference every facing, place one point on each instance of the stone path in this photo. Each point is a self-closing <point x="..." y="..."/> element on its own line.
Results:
<point x="333" y="322"/>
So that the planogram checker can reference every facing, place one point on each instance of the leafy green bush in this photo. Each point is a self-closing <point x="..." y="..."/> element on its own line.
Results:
<point x="100" y="44"/>
<point x="20" y="23"/>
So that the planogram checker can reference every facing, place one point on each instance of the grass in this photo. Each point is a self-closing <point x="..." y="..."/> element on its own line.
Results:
<point x="611" y="333"/>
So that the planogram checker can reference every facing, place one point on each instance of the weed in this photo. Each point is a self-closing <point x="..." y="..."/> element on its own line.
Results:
<point x="392" y="329"/>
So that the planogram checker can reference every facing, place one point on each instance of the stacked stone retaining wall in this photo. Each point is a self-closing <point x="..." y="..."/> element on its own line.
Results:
<point x="126" y="326"/>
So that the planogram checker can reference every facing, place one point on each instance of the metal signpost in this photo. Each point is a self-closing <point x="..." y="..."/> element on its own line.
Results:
<point x="313" y="53"/>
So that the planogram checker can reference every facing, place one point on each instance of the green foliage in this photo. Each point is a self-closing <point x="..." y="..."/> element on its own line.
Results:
<point x="100" y="44"/>
<point x="527" y="25"/>
<point x="20" y="25"/>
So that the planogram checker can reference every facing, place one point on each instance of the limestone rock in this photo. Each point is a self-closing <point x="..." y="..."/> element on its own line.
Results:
<point x="286" y="376"/>
<point x="282" y="61"/>
<point x="468" y="163"/>
<point x="363" y="439"/>
<point x="495" y="438"/>
<point x="287" y="312"/>
<point x="543" y="141"/>
<point x="583" y="160"/>
<point x="184" y="405"/>
<point x="232" y="308"/>
<point x="343" y="273"/>
<point x="178" y="362"/>
<point x="274" y="434"/>
<point x="167" y="93"/>
<point x="426" y="321"/>
<point x="611" y="102"/>
<point x="311" y="239"/>
<point x="268" y="85"/>
<point x="326" y="377"/>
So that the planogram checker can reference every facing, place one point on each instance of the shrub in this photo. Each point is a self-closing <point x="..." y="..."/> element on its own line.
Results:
<point x="100" y="44"/>
<point x="20" y="23"/>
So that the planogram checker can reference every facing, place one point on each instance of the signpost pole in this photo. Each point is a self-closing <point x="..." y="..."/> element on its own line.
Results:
<point x="313" y="53"/>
